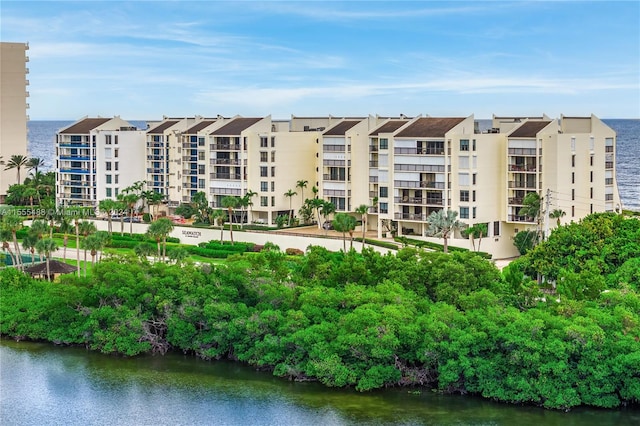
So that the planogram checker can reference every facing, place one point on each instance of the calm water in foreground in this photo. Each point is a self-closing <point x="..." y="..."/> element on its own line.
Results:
<point x="41" y="384"/>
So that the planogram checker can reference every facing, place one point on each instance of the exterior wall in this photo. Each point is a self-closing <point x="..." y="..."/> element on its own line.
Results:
<point x="127" y="148"/>
<point x="13" y="110"/>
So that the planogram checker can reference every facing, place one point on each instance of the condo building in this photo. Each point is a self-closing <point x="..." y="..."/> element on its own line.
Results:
<point x="13" y="110"/>
<point x="403" y="168"/>
<point x="96" y="158"/>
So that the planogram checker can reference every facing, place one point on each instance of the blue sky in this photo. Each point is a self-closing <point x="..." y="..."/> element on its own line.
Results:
<point x="146" y="59"/>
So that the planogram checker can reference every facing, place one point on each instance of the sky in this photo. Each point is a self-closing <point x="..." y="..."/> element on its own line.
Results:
<point x="147" y="59"/>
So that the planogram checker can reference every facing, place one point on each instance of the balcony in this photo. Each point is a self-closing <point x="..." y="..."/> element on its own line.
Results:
<point x="74" y="145"/>
<point x="224" y="147"/>
<point x="155" y="171"/>
<point x="76" y="183"/>
<point x="418" y="151"/>
<point x="516" y="201"/>
<point x="155" y="157"/>
<point x="155" y="145"/>
<point x="75" y="170"/>
<point x="373" y="148"/>
<point x="522" y="168"/>
<point x="420" y="217"/>
<point x="520" y="218"/>
<point x="523" y="185"/>
<point x="522" y="151"/>
<point x="418" y="168"/>
<point x="333" y="178"/>
<point x="373" y="179"/>
<point x="333" y="148"/>
<point x="416" y="184"/>
<point x="76" y="158"/>
<point x="156" y="184"/>
<point x="76" y="196"/>
<point x="229" y="176"/>
<point x="225" y="161"/>
<point x="373" y="164"/>
<point x="420" y="201"/>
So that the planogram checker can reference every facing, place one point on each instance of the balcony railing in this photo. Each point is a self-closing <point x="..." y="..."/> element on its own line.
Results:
<point x="328" y="177"/>
<point x="608" y="181"/>
<point x="517" y="201"/>
<point x="155" y="157"/>
<point x="75" y="183"/>
<point x="155" y="145"/>
<point x="224" y="147"/>
<point x="520" y="218"/>
<point x="74" y="145"/>
<point x="75" y="170"/>
<point x="519" y="184"/>
<point x="155" y="171"/>
<point x="416" y="184"/>
<point x="333" y="148"/>
<point x="522" y="151"/>
<point x="373" y="148"/>
<point x="522" y="168"/>
<point x="418" y="168"/>
<point x="420" y="200"/>
<point x="156" y="184"/>
<point x="608" y="165"/>
<point x="420" y="217"/>
<point x="77" y="158"/>
<point x="230" y="176"/>
<point x="418" y="151"/>
<point x="373" y="179"/>
<point x="608" y="149"/>
<point x="224" y="161"/>
<point x="373" y="164"/>
<point x="191" y="159"/>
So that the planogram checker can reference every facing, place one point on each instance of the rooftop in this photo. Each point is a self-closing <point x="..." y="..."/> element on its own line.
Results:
<point x="236" y="126"/>
<point x="430" y="127"/>
<point x="341" y="128"/>
<point x="84" y="126"/>
<point x="529" y="129"/>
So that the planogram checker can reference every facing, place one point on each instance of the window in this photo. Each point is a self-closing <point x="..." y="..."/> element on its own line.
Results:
<point x="108" y="178"/>
<point x="464" y="212"/>
<point x="264" y="186"/>
<point x="590" y="176"/>
<point x="107" y="153"/>
<point x="573" y="160"/>
<point x="384" y="143"/>
<point x="263" y="157"/>
<point x="273" y="156"/>
<point x="463" y="179"/>
<point x="107" y="139"/>
<point x="384" y="207"/>
<point x="591" y="192"/>
<point x="464" y="196"/>
<point x="273" y="141"/>
<point x="474" y="145"/>
<point x="263" y="142"/>
<point x="108" y="165"/>
<point x="573" y="144"/>
<point x="591" y="143"/>
<point x="263" y="171"/>
<point x="115" y="139"/>
<point x="573" y="177"/>
<point x="264" y="201"/>
<point x="273" y="201"/>
<point x="464" y="144"/>
<point x="200" y="141"/>
<point x="108" y="193"/>
<point x="116" y="178"/>
<point x="273" y="187"/>
<point x="384" y="192"/>
<point x="200" y="155"/>
<point x="463" y="162"/>
<point x="473" y="195"/>
<point x="474" y="213"/>
<point x="115" y="152"/>
<point x="496" y="229"/>
<point x="573" y="211"/>
<point x="591" y="160"/>
<point x="573" y="194"/>
<point x="116" y="165"/>
<point x="474" y="179"/>
<point x="273" y="171"/>
<point x="116" y="192"/>
<point x="201" y="183"/>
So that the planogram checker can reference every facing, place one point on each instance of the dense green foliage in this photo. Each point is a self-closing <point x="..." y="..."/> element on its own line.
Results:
<point x="414" y="318"/>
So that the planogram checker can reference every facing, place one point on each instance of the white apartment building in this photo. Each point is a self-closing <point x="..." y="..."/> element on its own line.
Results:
<point x="96" y="158"/>
<point x="13" y="110"/>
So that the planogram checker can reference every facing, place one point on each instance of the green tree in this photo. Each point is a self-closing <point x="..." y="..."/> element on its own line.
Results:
<point x="108" y="206"/>
<point x="160" y="230"/>
<point x="17" y="162"/>
<point x="362" y="210"/>
<point x="344" y="223"/>
<point x="327" y="208"/>
<point x="201" y="204"/>
<point x="130" y="200"/>
<point x="30" y="193"/>
<point x="47" y="246"/>
<point x="5" y="237"/>
<point x="525" y="240"/>
<point x="443" y="224"/>
<point x="29" y="244"/>
<point x="94" y="243"/>
<point x="85" y="228"/>
<point x="34" y="164"/>
<point x="64" y="226"/>
<point x="557" y="214"/>
<point x="302" y="184"/>
<point x="289" y="194"/>
<point x="478" y="231"/>
<point x="248" y="196"/>
<point x="219" y="217"/>
<point x="14" y="223"/>
<point x="230" y="203"/>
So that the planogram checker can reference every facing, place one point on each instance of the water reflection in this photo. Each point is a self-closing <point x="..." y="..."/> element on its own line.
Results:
<point x="42" y="385"/>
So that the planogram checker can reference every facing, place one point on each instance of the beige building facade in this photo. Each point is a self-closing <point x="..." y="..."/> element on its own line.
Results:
<point x="13" y="110"/>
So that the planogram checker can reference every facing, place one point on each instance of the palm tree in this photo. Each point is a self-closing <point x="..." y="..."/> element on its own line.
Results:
<point x="129" y="201"/>
<point x="531" y="206"/>
<point x="444" y="224"/>
<point x="178" y="255"/>
<point x="94" y="243"/>
<point x="29" y="244"/>
<point x="477" y="231"/>
<point x="326" y="209"/>
<point x="47" y="246"/>
<point x="219" y="216"/>
<point x="343" y="222"/>
<point x="289" y="194"/>
<point x="85" y="228"/>
<point x="30" y="193"/>
<point x="249" y="196"/>
<point x="5" y="237"/>
<point x="316" y="204"/>
<point x="108" y="206"/>
<point x="302" y="184"/>
<point x="243" y="203"/>
<point x="17" y="162"/>
<point x="159" y="230"/>
<point x="557" y="214"/>
<point x="230" y="203"/>
<point x="64" y="226"/>
<point x="362" y="210"/>
<point x="13" y="224"/>
<point x="34" y="164"/>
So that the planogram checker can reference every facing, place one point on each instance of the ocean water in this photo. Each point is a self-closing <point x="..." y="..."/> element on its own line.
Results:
<point x="42" y="145"/>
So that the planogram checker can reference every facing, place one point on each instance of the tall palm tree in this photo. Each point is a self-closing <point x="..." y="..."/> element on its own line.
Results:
<point x="219" y="217"/>
<point x="557" y="214"/>
<point x="64" y="226"/>
<point x="130" y="201"/>
<point x="34" y="164"/>
<point x="444" y="224"/>
<point x="30" y="193"/>
<point x="249" y="196"/>
<point x="17" y="162"/>
<point x="345" y="223"/>
<point x="230" y="203"/>
<point x="362" y="210"/>
<point x="108" y="206"/>
<point x="29" y="244"/>
<point x="47" y="246"/>
<point x="161" y="229"/>
<point x="94" y="243"/>
<point x="478" y="230"/>
<point x="14" y="223"/>
<point x="86" y="228"/>
<point x="302" y="184"/>
<point x="289" y="194"/>
<point x="326" y="209"/>
<point x="5" y="237"/>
